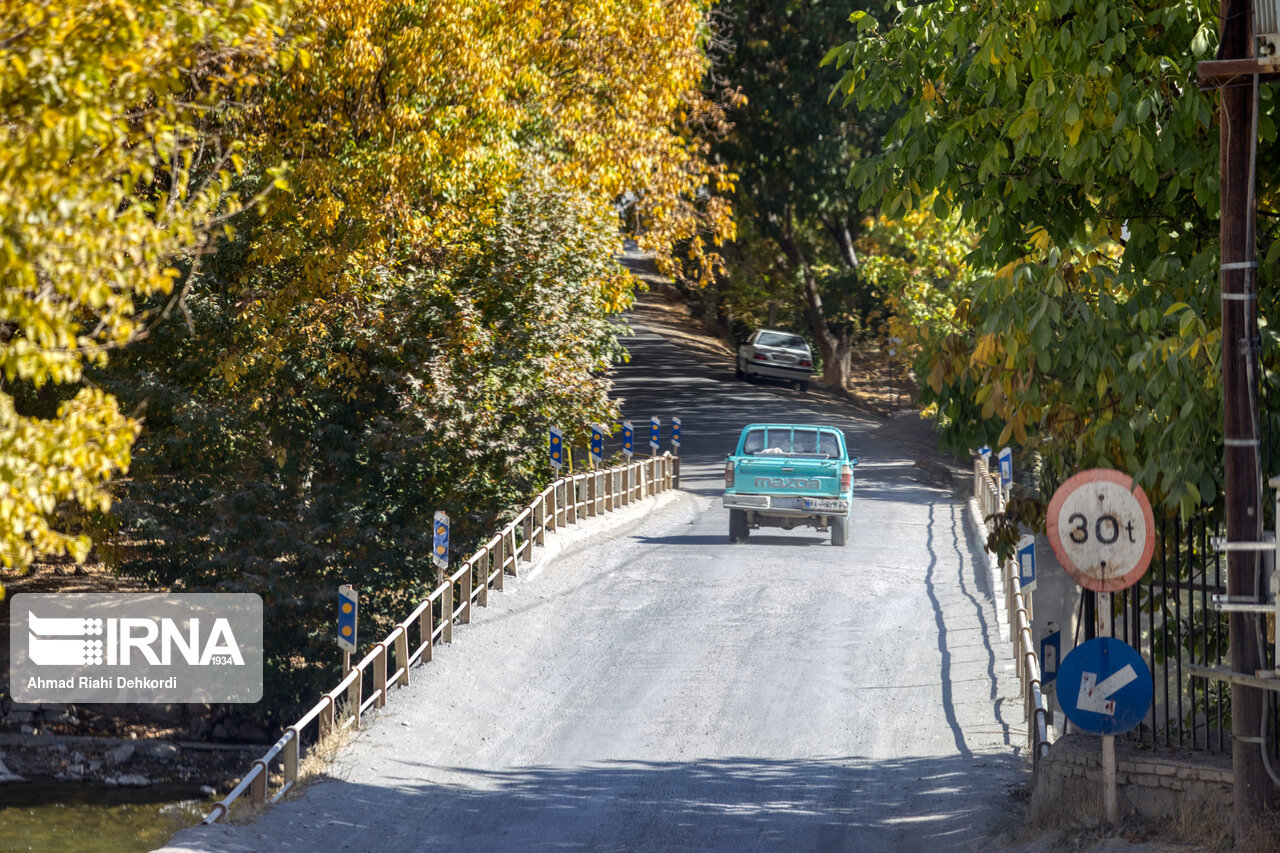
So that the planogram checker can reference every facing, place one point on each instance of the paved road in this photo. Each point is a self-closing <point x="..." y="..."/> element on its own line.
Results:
<point x="654" y="688"/>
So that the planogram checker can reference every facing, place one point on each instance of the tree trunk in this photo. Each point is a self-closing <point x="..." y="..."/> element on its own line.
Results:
<point x="835" y="351"/>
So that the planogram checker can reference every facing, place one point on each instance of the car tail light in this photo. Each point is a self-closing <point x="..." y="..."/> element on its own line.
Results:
<point x="804" y="362"/>
<point x="846" y="478"/>
<point x="728" y="475"/>
<point x="760" y="357"/>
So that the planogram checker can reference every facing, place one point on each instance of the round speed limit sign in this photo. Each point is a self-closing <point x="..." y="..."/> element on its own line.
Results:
<point x="1102" y="530"/>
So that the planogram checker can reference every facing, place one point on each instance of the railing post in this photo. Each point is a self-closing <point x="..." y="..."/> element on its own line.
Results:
<point x="591" y="494"/>
<point x="355" y="697"/>
<point x="402" y="656"/>
<point x="571" y="500"/>
<point x="427" y="631"/>
<point x="258" y="787"/>
<point x="466" y="594"/>
<point x="446" y="604"/>
<point x="500" y="557"/>
<point x="539" y="524"/>
<point x="380" y="676"/>
<point x="515" y="553"/>
<point x="326" y="716"/>
<point x="482" y="563"/>
<point x="291" y="755"/>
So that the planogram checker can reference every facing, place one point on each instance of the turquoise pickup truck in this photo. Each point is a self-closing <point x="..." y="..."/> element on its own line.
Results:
<point x="788" y="476"/>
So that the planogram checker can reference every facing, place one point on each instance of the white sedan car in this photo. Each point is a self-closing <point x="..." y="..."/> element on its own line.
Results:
<point x="770" y="354"/>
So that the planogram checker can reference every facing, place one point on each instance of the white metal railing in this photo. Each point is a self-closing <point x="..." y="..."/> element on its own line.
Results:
<point x="990" y="502"/>
<point x="565" y="501"/>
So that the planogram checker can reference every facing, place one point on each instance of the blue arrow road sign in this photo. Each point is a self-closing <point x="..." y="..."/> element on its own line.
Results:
<point x="597" y="443"/>
<point x="440" y="540"/>
<point x="1104" y="686"/>
<point x="985" y="453"/>
<point x="655" y="433"/>
<point x="1027" y="563"/>
<point x="348" y="603"/>
<point x="675" y="433"/>
<point x="628" y="439"/>
<point x="1006" y="466"/>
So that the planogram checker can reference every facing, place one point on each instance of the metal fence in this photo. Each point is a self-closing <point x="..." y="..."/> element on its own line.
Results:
<point x="1168" y="616"/>
<point x="565" y="501"/>
<point x="991" y="502"/>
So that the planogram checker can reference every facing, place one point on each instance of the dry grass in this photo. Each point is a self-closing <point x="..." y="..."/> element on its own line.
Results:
<point x="313" y="767"/>
<point x="315" y="764"/>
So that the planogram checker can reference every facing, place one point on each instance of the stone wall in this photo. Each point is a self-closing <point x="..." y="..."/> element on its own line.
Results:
<point x="1154" y="783"/>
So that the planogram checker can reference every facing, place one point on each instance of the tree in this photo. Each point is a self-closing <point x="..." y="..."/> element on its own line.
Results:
<point x="792" y="151"/>
<point x="396" y="334"/>
<point x="113" y="177"/>
<point x="1069" y="137"/>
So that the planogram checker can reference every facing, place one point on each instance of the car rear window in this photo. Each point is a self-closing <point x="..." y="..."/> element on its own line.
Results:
<point x="778" y="339"/>
<point x="787" y="442"/>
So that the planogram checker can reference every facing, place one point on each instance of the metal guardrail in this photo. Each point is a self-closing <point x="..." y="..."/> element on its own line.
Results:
<point x="564" y="502"/>
<point x="990" y="502"/>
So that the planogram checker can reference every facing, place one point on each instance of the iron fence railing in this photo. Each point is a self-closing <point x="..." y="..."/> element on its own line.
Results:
<point x="390" y="662"/>
<point x="990" y="502"/>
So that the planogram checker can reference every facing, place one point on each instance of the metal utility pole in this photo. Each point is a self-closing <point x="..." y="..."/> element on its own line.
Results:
<point x="1236" y="73"/>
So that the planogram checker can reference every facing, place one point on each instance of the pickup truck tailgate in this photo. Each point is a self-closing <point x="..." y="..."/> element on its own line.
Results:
<point x="762" y="475"/>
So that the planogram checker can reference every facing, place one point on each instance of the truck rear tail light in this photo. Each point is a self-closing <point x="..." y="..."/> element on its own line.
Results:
<point x="728" y="475"/>
<point x="846" y="478"/>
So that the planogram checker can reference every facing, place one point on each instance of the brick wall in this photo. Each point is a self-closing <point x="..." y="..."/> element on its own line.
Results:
<point x="1155" y="784"/>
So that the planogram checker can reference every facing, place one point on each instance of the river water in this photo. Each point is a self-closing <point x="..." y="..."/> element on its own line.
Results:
<point x="59" y="818"/>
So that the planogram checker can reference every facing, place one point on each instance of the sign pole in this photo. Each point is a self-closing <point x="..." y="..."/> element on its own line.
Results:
<point x="1110" y="796"/>
<point x="1102" y="529"/>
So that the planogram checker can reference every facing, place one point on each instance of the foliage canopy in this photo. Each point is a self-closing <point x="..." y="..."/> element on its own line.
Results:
<point x="1071" y="137"/>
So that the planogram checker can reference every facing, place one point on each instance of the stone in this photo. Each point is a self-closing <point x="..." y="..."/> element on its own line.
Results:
<point x="27" y="729"/>
<point x="220" y="732"/>
<point x="120" y="754"/>
<point x="20" y="716"/>
<point x="133" y="780"/>
<point x="253" y="734"/>
<point x="200" y="726"/>
<point x="7" y="775"/>
<point x="162" y="750"/>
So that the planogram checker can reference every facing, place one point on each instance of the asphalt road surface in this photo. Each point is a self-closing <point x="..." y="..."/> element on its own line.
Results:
<point x="654" y="688"/>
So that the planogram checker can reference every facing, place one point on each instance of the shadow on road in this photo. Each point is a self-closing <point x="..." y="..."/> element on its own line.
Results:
<point x="734" y="804"/>
<point x="722" y="541"/>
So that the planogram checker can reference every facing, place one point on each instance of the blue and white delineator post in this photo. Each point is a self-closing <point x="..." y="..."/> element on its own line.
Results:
<point x="555" y="448"/>
<point x="597" y="444"/>
<point x="1026" y="554"/>
<point x="348" y="611"/>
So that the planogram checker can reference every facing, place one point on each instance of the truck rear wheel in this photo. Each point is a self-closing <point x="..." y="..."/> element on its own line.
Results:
<point x="738" y="530"/>
<point x="839" y="531"/>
